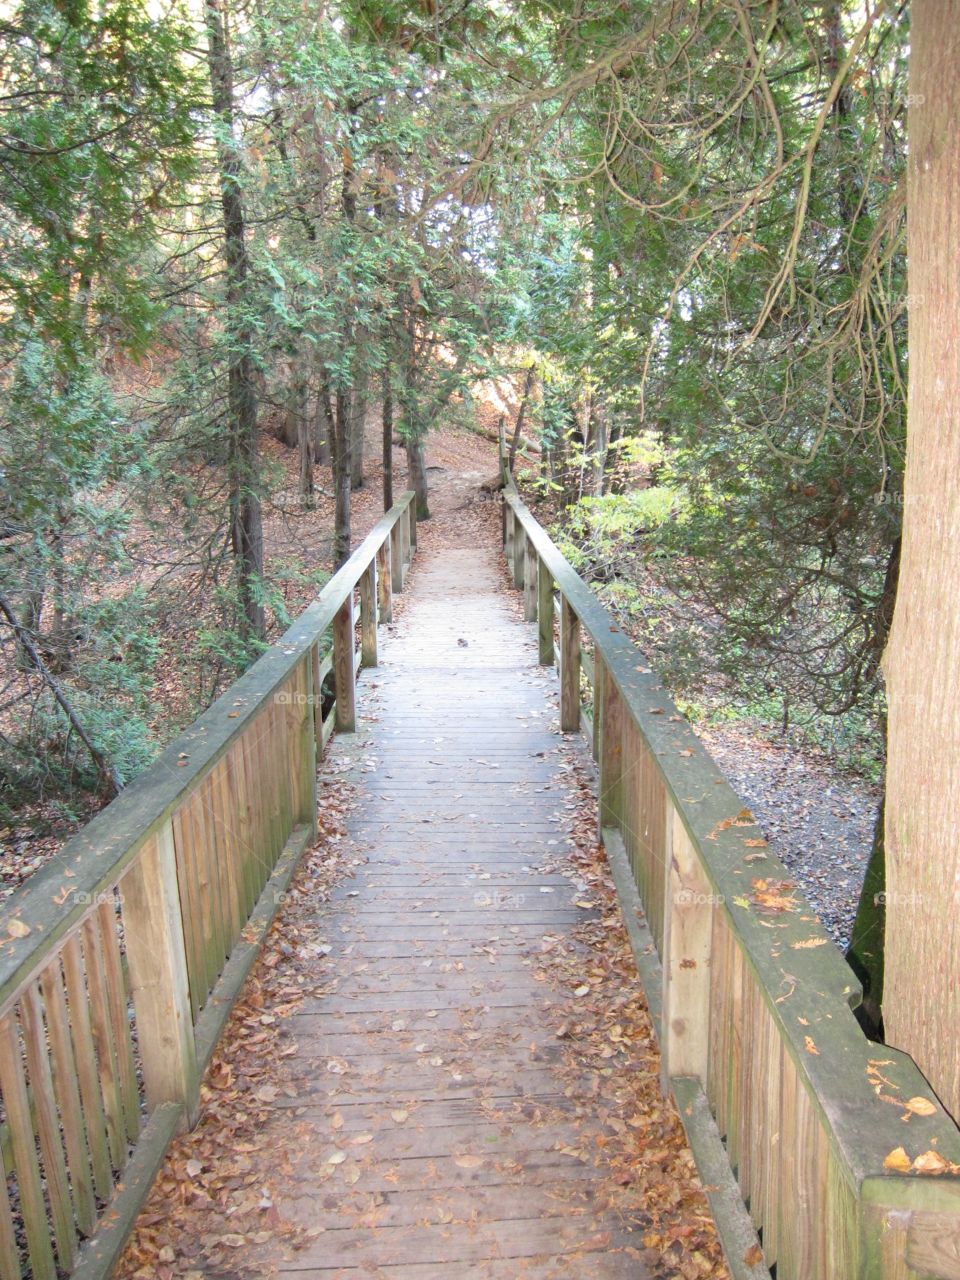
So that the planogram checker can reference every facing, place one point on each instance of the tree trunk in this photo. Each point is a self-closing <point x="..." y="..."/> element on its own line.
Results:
<point x="527" y="390"/>
<point x="922" y="662"/>
<point x="341" y="480"/>
<point x="387" y="441"/>
<point x="246" y="527"/>
<point x="417" y="473"/>
<point x="324" y="425"/>
<point x="358" y="418"/>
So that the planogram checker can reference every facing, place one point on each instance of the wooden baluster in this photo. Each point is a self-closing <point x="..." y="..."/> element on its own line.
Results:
<point x="68" y="1096"/>
<point x="156" y="953"/>
<point x="612" y="764"/>
<point x="368" y="616"/>
<point x="545" y="613"/>
<point x="103" y="1040"/>
<point x="88" y="1078"/>
<point x="412" y="509"/>
<point x="687" y="946"/>
<point x="599" y="670"/>
<point x="188" y="875"/>
<point x="116" y="993"/>
<point x="10" y="1268"/>
<point x="403" y="528"/>
<point x="384" y="584"/>
<point x="569" y="668"/>
<point x="308" y="742"/>
<point x="529" y="581"/>
<point x="343" y="667"/>
<point x="48" y="1127"/>
<point x="519" y="542"/>
<point x="25" y="1163"/>
<point x="509" y="527"/>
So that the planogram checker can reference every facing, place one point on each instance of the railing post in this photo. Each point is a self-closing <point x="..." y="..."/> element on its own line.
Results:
<point x="545" y="613"/>
<point x="687" y="944"/>
<point x="368" y="615"/>
<point x="156" y="954"/>
<point x="317" y="689"/>
<point x="610" y="798"/>
<point x="343" y="670"/>
<point x="412" y="509"/>
<point x="403" y="528"/>
<point x="309" y="747"/>
<point x="519" y="540"/>
<point x="569" y="668"/>
<point x="509" y="530"/>
<point x="529" y="581"/>
<point x="396" y="559"/>
<point x="384" y="592"/>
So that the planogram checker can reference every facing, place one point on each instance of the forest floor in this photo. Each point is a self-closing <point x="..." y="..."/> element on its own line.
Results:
<point x="819" y="820"/>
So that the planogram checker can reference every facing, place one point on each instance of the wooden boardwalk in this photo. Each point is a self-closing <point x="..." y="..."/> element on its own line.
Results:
<point x="469" y="1147"/>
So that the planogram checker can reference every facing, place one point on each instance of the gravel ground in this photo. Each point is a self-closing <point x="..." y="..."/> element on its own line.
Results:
<point x="819" y="823"/>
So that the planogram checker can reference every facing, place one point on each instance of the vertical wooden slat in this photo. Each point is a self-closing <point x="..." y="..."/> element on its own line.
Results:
<point x="68" y="1095"/>
<point x="545" y="614"/>
<point x="10" y="1268"/>
<point x="510" y="532"/>
<point x="343" y="667"/>
<point x="27" y="1167"/>
<point x="612" y="763"/>
<point x="688" y="940"/>
<point x="598" y="670"/>
<point x="529" y="581"/>
<point x="214" y="941"/>
<point x="158" y="975"/>
<point x="88" y="1077"/>
<point x="235" y="782"/>
<point x="519" y="540"/>
<point x="403" y="529"/>
<point x="368" y="615"/>
<point x="569" y="669"/>
<point x="191" y="904"/>
<point x="384" y="588"/>
<point x="48" y="1127"/>
<point x="222" y="815"/>
<point x="117" y="1009"/>
<point x="103" y="1041"/>
<point x="309" y="752"/>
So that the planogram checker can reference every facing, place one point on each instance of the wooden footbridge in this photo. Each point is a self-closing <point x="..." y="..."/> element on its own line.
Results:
<point x="121" y="961"/>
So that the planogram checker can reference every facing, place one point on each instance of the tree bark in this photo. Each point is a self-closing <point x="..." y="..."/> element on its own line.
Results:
<point x="417" y="472"/>
<point x="246" y="525"/>
<point x="342" y="445"/>
<point x="527" y="390"/>
<point x="358" y="418"/>
<point x="387" y="444"/>
<point x="922" y="661"/>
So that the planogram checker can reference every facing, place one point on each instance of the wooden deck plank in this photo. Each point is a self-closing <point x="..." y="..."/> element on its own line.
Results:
<point x="432" y="1007"/>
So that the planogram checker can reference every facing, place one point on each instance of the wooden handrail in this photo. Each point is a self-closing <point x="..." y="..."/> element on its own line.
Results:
<point x="758" y="1035"/>
<point x="123" y="956"/>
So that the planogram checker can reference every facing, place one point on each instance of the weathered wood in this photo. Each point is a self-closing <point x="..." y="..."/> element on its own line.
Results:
<point x="368" y="616"/>
<point x="737" y="1234"/>
<point x="317" y="685"/>
<point x="67" y="1092"/>
<point x="48" y="1127"/>
<point x="597" y="677"/>
<point x="25" y="1163"/>
<point x="544" y="613"/>
<point x="116" y="995"/>
<point x="569" y="668"/>
<point x="412" y="515"/>
<point x="156" y="954"/>
<point x="530" y="563"/>
<point x="396" y="560"/>
<point x="343" y="667"/>
<point x="106" y="1057"/>
<point x="612" y="764"/>
<point x="86" y="1063"/>
<point x="99" y="1255"/>
<point x="687" y="942"/>
<point x="10" y="1268"/>
<point x="384" y="587"/>
<point x="509" y="533"/>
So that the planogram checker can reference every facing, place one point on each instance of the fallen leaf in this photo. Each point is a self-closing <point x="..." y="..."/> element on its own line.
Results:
<point x="898" y="1161"/>
<point x="810" y="1046"/>
<point x="921" y="1106"/>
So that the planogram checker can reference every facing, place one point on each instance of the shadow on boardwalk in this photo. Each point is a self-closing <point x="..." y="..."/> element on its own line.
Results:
<point x="442" y="1066"/>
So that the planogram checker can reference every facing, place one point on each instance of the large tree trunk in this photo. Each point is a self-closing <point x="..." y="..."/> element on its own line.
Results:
<point x="922" y="662"/>
<point x="246" y="527"/>
<point x="358" y="416"/>
<point x="521" y="412"/>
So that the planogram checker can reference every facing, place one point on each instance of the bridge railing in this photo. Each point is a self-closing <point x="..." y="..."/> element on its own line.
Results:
<point x="774" y="1079"/>
<point x="121" y="958"/>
